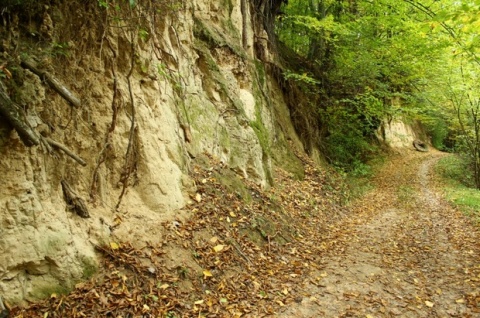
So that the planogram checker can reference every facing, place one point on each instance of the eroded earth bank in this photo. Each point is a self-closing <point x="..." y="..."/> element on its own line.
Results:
<point x="294" y="251"/>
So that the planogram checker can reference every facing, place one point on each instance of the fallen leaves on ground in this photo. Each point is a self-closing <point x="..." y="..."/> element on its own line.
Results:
<point x="258" y="253"/>
<point x="255" y="256"/>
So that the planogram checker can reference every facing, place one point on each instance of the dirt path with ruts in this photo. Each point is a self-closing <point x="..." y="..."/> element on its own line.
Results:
<point x="405" y="252"/>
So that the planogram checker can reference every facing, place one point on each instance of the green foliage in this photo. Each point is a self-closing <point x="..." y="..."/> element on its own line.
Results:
<point x="458" y="187"/>
<point x="438" y="131"/>
<point x="454" y="168"/>
<point x="351" y="123"/>
<point x="143" y="34"/>
<point x="60" y="49"/>
<point x="304" y="78"/>
<point x="374" y="59"/>
<point x="103" y="3"/>
<point x="369" y="60"/>
<point x="115" y="3"/>
<point x="347" y="149"/>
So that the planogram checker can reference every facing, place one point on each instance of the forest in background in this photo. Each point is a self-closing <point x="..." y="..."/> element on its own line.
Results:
<point x="366" y="61"/>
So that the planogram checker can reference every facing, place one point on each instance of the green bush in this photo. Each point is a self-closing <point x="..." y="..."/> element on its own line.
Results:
<point x="438" y="131"/>
<point x="348" y="150"/>
<point x="456" y="169"/>
<point x="459" y="185"/>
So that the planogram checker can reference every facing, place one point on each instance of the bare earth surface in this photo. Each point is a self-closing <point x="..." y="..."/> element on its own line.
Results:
<point x="405" y="252"/>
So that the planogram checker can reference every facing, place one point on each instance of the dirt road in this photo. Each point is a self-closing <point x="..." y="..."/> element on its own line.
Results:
<point x="405" y="252"/>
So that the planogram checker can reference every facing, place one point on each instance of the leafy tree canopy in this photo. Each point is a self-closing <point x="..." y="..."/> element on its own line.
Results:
<point x="372" y="60"/>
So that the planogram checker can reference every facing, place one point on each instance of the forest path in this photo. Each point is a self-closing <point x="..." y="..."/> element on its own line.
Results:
<point x="404" y="252"/>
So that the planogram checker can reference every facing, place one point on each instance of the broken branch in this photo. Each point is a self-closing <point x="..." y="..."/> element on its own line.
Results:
<point x="53" y="82"/>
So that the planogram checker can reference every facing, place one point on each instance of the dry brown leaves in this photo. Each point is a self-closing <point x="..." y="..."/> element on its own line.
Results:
<point x="254" y="256"/>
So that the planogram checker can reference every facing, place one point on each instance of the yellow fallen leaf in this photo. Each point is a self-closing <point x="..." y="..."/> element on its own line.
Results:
<point x="145" y="307"/>
<point x="207" y="273"/>
<point x="428" y="303"/>
<point x="218" y="248"/>
<point x="214" y="239"/>
<point x="199" y="302"/>
<point x="114" y="246"/>
<point x="460" y="301"/>
<point x="285" y="291"/>
<point x="164" y="286"/>
<point x="198" y="197"/>
<point x="233" y="215"/>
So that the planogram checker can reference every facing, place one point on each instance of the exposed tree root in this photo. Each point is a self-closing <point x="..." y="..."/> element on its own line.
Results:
<point x="74" y="201"/>
<point x="16" y="117"/>
<point x="130" y="165"/>
<point x="53" y="82"/>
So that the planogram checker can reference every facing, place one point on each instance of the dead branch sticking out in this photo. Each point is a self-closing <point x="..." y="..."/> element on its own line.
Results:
<point x="16" y="116"/>
<point x="53" y="82"/>
<point x="70" y="153"/>
<point x="74" y="201"/>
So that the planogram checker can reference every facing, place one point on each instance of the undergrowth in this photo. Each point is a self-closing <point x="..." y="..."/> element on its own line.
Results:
<point x="459" y="186"/>
<point x="359" y="178"/>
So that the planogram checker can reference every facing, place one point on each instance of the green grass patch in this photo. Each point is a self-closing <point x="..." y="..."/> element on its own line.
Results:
<point x="458" y="185"/>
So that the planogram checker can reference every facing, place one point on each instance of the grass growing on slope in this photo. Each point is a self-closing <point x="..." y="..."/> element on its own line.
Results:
<point x="459" y="186"/>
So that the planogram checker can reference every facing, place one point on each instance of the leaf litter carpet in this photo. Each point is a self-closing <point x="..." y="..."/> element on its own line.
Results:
<point x="294" y="251"/>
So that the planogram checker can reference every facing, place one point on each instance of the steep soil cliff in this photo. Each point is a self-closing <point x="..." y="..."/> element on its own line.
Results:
<point x="159" y="84"/>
